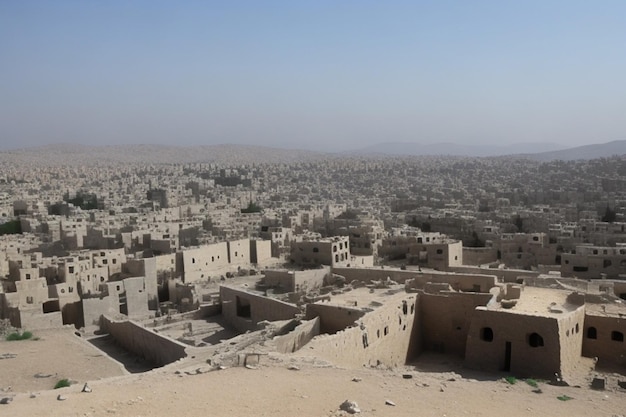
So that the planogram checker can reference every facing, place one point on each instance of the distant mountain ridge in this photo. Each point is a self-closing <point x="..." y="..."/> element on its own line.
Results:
<point x="536" y="151"/>
<point x="76" y="154"/>
<point x="453" y="149"/>
<point x="599" y="150"/>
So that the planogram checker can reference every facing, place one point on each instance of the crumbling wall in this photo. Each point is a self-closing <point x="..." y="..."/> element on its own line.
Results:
<point x="503" y="275"/>
<point x="458" y="282"/>
<point x="154" y="347"/>
<point x="333" y="318"/>
<point x="311" y="279"/>
<point x="299" y="337"/>
<point x="380" y="337"/>
<point x="243" y="309"/>
<point x="376" y="274"/>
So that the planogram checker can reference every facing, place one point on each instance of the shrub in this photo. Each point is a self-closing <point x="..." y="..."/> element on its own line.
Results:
<point x="19" y="336"/>
<point x="564" y="398"/>
<point x="62" y="383"/>
<point x="533" y="383"/>
<point x="511" y="380"/>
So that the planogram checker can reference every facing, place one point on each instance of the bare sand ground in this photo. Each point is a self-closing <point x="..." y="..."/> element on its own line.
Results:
<point x="53" y="355"/>
<point x="272" y="389"/>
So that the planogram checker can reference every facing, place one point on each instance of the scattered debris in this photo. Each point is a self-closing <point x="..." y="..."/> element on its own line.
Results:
<point x="598" y="384"/>
<point x="356" y="379"/>
<point x="61" y="397"/>
<point x="8" y="355"/>
<point x="86" y="388"/>
<point x="389" y="402"/>
<point x="293" y="368"/>
<point x="407" y="376"/>
<point x="350" y="407"/>
<point x="42" y="375"/>
<point x="6" y="400"/>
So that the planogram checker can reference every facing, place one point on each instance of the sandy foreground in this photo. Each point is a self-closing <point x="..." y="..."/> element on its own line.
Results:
<point x="270" y="389"/>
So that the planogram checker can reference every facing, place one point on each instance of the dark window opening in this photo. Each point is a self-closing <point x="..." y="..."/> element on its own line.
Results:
<point x="592" y="333"/>
<point x="606" y="263"/>
<point x="486" y="334"/>
<point x="617" y="336"/>
<point x="243" y="308"/>
<point x="535" y="340"/>
<point x="580" y="269"/>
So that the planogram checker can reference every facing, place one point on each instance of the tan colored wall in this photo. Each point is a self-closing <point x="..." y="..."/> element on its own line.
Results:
<point x="96" y="307"/>
<point x="608" y="351"/>
<point x="458" y="281"/>
<point x="239" y="252"/>
<point x="299" y="337"/>
<point x="36" y="320"/>
<point x="201" y="262"/>
<point x="526" y="361"/>
<point x="291" y="281"/>
<point x="369" y="274"/>
<point x="333" y="318"/>
<point x="571" y="341"/>
<point x="503" y="275"/>
<point x="479" y="256"/>
<point x="260" y="251"/>
<point x="156" y="348"/>
<point x="347" y="347"/>
<point x="446" y="319"/>
<point x="261" y="308"/>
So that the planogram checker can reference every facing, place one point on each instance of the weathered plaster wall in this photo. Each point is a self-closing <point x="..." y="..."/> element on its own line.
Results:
<point x="256" y="308"/>
<point x="333" y="318"/>
<point x="604" y="347"/>
<point x="503" y="275"/>
<point x="475" y="282"/>
<point x="525" y="360"/>
<point x="201" y="262"/>
<point x="299" y="337"/>
<point x="479" y="256"/>
<point x="571" y="340"/>
<point x="446" y="318"/>
<point x="383" y="339"/>
<point x="156" y="348"/>
<point x="239" y="252"/>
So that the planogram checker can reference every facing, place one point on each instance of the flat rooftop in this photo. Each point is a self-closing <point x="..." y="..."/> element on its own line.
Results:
<point x="546" y="302"/>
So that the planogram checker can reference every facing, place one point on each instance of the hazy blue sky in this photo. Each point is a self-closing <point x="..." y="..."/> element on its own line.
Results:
<point x="328" y="74"/>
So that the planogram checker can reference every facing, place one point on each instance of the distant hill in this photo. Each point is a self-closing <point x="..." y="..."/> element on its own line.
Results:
<point x="537" y="151"/>
<point x="600" y="150"/>
<point x="73" y="154"/>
